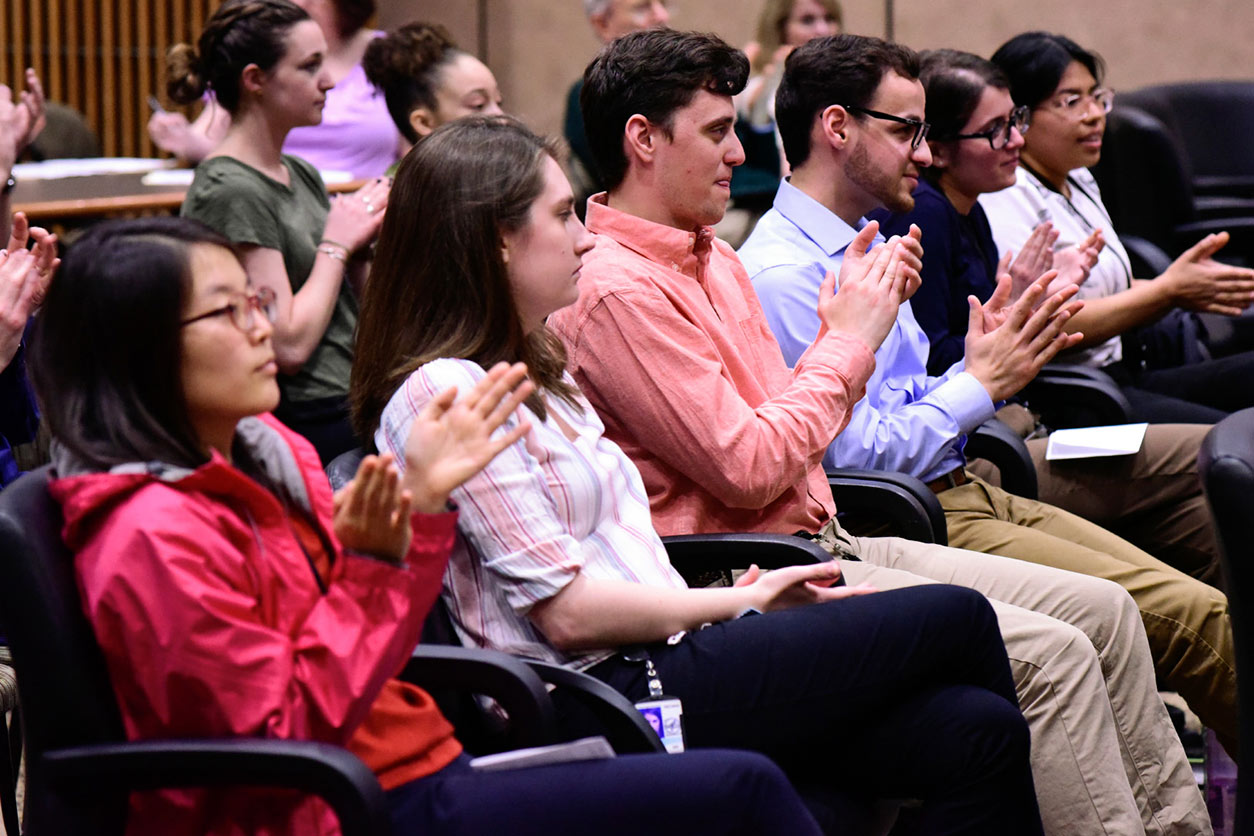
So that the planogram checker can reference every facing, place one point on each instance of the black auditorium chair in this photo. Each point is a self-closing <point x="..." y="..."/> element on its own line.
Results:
<point x="1226" y="467"/>
<point x="80" y="767"/>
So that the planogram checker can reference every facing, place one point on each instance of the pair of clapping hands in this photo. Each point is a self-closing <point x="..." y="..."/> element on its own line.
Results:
<point x="24" y="278"/>
<point x="1009" y="337"/>
<point x="450" y="441"/>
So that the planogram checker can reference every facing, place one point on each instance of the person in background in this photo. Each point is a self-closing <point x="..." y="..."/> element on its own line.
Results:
<point x="233" y="595"/>
<point x="355" y="134"/>
<point x="1138" y="331"/>
<point x="263" y="59"/>
<point x="427" y="80"/>
<point x="558" y="559"/>
<point x="783" y="26"/>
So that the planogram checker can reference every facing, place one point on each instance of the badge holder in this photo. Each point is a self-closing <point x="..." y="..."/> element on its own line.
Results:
<point x="665" y="714"/>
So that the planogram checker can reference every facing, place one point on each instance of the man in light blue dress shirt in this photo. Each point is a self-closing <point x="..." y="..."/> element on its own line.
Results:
<point x="853" y="147"/>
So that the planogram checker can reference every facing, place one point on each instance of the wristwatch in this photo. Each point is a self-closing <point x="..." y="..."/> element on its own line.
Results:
<point x="8" y="185"/>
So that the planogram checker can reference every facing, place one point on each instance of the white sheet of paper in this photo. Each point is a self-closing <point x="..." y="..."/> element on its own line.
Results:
<point x="60" y="169"/>
<point x="1092" y="442"/>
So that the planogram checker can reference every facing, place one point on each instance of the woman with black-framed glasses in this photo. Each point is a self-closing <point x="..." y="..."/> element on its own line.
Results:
<point x="1142" y="333"/>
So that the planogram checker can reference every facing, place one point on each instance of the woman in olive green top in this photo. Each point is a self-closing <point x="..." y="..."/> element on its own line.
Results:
<point x="263" y="61"/>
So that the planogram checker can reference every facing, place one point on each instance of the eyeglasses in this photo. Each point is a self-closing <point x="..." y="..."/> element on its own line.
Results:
<point x="1075" y="104"/>
<point x="920" y="127"/>
<point x="241" y="308"/>
<point x="998" y="134"/>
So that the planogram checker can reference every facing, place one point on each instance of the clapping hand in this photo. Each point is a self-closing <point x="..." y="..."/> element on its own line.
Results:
<point x="793" y="586"/>
<point x="451" y="439"/>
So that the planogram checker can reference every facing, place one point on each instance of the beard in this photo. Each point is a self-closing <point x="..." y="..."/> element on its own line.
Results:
<point x="885" y="186"/>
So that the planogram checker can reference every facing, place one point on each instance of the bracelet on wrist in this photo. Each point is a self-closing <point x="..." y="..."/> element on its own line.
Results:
<point x="334" y="251"/>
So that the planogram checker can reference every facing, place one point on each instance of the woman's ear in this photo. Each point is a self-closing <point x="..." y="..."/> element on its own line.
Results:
<point x="941" y="153"/>
<point x="252" y="79"/>
<point x="423" y="121"/>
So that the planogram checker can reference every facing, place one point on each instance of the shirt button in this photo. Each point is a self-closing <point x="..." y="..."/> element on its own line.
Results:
<point x="674" y="266"/>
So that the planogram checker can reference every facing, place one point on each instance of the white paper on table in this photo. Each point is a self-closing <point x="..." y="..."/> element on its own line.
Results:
<point x="1092" y="442"/>
<point x="182" y="177"/>
<point x="60" y="169"/>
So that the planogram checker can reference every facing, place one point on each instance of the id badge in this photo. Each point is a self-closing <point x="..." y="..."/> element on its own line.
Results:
<point x="666" y="716"/>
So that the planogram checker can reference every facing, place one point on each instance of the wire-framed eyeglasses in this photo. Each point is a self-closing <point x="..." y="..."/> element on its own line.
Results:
<point x="242" y="307"/>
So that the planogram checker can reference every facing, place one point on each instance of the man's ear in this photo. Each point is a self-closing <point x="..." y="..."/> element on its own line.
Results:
<point x="640" y="138"/>
<point x="834" y="126"/>
<point x="251" y="79"/>
<point x="422" y="120"/>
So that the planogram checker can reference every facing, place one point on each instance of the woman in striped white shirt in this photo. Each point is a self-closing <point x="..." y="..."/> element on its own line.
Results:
<point x="557" y="558"/>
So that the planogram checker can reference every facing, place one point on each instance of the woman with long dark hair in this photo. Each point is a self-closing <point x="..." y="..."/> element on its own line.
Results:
<point x="558" y="558"/>
<point x="233" y="595"/>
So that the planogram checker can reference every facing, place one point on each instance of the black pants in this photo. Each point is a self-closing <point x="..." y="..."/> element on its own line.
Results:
<point x="899" y="694"/>
<point x="715" y="792"/>
<point x="1197" y="393"/>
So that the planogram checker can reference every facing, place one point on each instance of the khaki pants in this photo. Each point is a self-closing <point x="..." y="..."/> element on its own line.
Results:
<point x="1152" y="499"/>
<point x="1105" y="757"/>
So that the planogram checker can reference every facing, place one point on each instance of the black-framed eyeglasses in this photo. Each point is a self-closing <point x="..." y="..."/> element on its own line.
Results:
<point x="998" y="134"/>
<point x="920" y="127"/>
<point x="242" y="307"/>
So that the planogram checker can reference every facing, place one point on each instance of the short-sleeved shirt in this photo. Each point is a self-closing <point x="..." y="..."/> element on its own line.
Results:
<point x="250" y="208"/>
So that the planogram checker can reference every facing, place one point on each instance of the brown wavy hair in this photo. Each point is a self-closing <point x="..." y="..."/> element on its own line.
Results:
<point x="439" y="286"/>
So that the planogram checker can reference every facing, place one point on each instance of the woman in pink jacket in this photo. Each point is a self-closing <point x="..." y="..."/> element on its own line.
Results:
<point x="233" y="595"/>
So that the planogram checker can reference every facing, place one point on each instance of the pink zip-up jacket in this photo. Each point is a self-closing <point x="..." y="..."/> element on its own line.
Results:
<point x="214" y="624"/>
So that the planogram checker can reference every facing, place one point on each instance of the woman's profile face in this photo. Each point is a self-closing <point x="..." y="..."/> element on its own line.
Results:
<point x="295" y="89"/>
<point x="1067" y="127"/>
<point x="467" y="88"/>
<point x="227" y="372"/>
<point x="543" y="258"/>
<point x="972" y="166"/>
<point x="808" y="20"/>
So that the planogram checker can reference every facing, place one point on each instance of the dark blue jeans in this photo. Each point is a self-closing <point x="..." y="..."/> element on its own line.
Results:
<point x="899" y="694"/>
<point x="715" y="792"/>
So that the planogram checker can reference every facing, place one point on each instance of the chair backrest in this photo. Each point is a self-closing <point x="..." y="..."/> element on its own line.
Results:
<point x="1226" y="467"/>
<point x="1143" y="176"/>
<point x="63" y="684"/>
<point x="1214" y="121"/>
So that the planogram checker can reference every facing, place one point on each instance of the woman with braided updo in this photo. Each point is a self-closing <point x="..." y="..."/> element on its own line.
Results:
<point x="263" y="60"/>
<point x="427" y="80"/>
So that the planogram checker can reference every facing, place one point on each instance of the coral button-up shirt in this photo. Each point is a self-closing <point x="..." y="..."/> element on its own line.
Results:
<point x="669" y="343"/>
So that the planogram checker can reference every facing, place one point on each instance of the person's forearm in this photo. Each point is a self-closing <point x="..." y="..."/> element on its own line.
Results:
<point x="1109" y="316"/>
<point x="596" y="614"/>
<point x="6" y="216"/>
<point x="298" y="334"/>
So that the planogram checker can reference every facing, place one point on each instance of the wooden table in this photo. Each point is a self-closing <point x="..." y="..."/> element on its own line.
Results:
<point x="104" y="195"/>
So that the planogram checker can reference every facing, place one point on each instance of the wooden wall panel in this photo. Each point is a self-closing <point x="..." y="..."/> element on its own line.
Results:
<point x="101" y="57"/>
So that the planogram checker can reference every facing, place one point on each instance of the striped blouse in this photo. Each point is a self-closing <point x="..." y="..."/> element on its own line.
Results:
<point x="543" y="510"/>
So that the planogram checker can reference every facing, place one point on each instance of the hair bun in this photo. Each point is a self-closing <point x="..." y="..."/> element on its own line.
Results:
<point x="186" y="82"/>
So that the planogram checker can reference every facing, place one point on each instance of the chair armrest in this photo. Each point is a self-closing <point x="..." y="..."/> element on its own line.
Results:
<point x="1076" y="396"/>
<point x="623" y="726"/>
<point x="910" y="507"/>
<point x="697" y="554"/>
<point x="1002" y="446"/>
<point x="1148" y="259"/>
<point x="506" y="679"/>
<point x="330" y="772"/>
